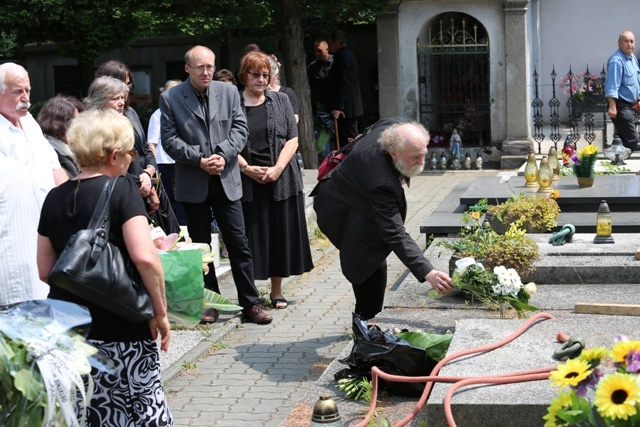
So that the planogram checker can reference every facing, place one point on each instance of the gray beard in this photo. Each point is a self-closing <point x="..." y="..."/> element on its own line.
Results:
<point x="406" y="171"/>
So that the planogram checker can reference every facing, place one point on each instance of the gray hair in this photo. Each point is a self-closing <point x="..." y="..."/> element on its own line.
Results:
<point x="103" y="89"/>
<point x="391" y="140"/>
<point x="275" y="69"/>
<point x="10" y="69"/>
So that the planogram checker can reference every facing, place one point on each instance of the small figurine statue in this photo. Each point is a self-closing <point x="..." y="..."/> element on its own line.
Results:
<point x="455" y="143"/>
<point x="467" y="161"/>
<point x="443" y="160"/>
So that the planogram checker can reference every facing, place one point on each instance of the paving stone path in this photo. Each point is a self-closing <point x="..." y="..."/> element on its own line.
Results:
<point x="255" y="374"/>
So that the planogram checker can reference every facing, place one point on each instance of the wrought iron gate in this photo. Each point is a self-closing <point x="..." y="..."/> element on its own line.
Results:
<point x="453" y="76"/>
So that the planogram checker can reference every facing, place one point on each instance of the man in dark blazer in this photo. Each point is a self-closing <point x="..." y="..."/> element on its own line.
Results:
<point x="343" y="88"/>
<point x="361" y="208"/>
<point x="204" y="129"/>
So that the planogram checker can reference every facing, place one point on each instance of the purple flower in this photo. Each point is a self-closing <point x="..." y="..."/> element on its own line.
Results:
<point x="574" y="159"/>
<point x="633" y="362"/>
<point x="590" y="382"/>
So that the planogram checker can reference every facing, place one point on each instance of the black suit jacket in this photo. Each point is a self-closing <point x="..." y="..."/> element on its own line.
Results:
<point x="361" y="208"/>
<point x="343" y="84"/>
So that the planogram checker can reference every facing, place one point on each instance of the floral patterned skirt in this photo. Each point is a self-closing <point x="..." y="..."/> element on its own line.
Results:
<point x="134" y="396"/>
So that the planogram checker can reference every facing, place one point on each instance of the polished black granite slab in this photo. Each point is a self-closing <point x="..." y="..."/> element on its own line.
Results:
<point x="622" y="192"/>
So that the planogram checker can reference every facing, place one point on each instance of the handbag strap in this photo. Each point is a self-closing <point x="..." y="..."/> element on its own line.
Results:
<point x="100" y="217"/>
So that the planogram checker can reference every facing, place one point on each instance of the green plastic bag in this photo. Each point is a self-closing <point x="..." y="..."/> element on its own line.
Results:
<point x="324" y="136"/>
<point x="184" y="285"/>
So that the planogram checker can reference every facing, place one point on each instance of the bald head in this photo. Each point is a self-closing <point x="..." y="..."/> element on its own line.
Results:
<point x="627" y="42"/>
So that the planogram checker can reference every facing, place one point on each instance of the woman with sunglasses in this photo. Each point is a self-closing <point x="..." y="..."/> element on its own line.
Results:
<point x="272" y="201"/>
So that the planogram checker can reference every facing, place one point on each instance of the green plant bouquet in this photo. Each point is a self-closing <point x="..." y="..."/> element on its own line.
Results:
<point x="531" y="213"/>
<point x="44" y="365"/>
<point x="589" y="397"/>
<point x="494" y="288"/>
<point x="513" y="249"/>
<point x="584" y="161"/>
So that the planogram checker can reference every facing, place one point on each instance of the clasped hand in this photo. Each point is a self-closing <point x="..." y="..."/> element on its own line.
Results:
<point x="213" y="165"/>
<point x="263" y="174"/>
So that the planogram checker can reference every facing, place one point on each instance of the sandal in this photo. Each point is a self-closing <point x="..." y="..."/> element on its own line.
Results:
<point x="279" y="303"/>
<point x="209" y="315"/>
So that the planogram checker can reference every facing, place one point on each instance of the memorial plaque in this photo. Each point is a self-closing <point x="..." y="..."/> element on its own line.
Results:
<point x="595" y="101"/>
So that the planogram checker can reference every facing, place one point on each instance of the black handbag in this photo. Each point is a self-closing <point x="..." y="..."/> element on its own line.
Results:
<point x="93" y="268"/>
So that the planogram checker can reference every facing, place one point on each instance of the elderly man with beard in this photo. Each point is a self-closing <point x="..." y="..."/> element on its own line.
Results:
<point x="361" y="208"/>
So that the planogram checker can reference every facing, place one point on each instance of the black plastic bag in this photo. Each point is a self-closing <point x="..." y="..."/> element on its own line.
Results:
<point x="393" y="355"/>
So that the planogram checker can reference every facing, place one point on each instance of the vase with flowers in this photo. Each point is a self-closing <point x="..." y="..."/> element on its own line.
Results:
<point x="576" y="86"/>
<point x="601" y="387"/>
<point x="584" y="162"/>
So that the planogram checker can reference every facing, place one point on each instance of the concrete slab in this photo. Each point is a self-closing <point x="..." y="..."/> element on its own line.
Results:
<point x="514" y="405"/>
<point x="522" y="404"/>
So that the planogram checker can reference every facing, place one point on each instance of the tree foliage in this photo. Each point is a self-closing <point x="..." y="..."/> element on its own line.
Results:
<point x="85" y="29"/>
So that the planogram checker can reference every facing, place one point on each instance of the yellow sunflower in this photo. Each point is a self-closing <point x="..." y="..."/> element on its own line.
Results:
<point x="562" y="402"/>
<point x="571" y="373"/>
<point x="621" y="349"/>
<point x="593" y="356"/>
<point x="616" y="396"/>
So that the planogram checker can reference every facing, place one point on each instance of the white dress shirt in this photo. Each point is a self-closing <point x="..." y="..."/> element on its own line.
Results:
<point x="153" y="137"/>
<point x="19" y="215"/>
<point x="28" y="146"/>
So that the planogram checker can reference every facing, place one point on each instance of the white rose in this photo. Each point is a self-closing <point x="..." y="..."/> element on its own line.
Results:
<point x="530" y="288"/>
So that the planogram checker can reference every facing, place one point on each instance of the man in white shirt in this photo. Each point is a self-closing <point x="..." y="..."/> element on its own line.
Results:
<point x="29" y="168"/>
<point x="21" y="138"/>
<point x="19" y="214"/>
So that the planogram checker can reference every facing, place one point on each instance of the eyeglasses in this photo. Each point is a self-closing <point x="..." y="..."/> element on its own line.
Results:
<point x="257" y="75"/>
<point x="133" y="153"/>
<point x="201" y="68"/>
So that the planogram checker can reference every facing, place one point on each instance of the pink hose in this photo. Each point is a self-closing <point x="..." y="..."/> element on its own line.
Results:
<point x="530" y="375"/>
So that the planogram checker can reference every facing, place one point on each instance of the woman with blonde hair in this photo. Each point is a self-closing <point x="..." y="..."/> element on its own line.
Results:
<point x="102" y="142"/>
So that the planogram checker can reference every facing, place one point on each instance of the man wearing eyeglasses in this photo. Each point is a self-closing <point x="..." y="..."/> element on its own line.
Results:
<point x="203" y="129"/>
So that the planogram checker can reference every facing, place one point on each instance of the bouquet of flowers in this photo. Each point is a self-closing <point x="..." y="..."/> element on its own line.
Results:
<point x="495" y="288"/>
<point x="616" y="395"/>
<point x="584" y="161"/>
<point x="577" y="84"/>
<point x="44" y="364"/>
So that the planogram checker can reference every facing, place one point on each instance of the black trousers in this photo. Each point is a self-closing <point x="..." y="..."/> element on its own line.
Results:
<point x="231" y="223"/>
<point x="347" y="128"/>
<point x="625" y="123"/>
<point x="370" y="293"/>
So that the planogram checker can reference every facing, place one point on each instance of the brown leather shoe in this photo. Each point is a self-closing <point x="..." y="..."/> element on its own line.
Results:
<point x="256" y="315"/>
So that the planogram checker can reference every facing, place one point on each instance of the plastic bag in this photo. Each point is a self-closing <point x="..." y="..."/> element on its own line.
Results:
<point x="184" y="285"/>
<point x="393" y="355"/>
<point x="324" y="137"/>
<point x="44" y="364"/>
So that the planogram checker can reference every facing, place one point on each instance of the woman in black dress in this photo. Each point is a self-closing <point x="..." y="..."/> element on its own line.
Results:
<point x="273" y="201"/>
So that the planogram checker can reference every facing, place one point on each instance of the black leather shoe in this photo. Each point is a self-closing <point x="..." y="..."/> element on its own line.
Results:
<point x="255" y="314"/>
